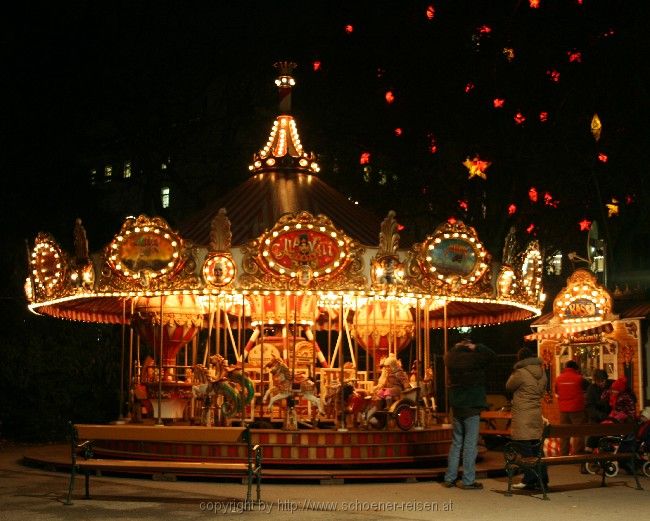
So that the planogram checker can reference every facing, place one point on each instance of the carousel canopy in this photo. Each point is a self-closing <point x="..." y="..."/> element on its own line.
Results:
<point x="258" y="203"/>
<point x="298" y="241"/>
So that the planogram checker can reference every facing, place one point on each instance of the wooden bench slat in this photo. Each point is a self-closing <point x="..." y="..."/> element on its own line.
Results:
<point x="495" y="432"/>
<point x="194" y="466"/>
<point x="601" y="429"/>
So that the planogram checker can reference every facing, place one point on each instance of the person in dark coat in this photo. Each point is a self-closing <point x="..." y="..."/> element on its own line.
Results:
<point x="597" y="403"/>
<point x="466" y="363"/>
<point x="527" y="383"/>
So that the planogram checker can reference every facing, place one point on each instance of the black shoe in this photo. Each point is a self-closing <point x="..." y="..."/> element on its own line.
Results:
<point x="449" y="484"/>
<point x="472" y="486"/>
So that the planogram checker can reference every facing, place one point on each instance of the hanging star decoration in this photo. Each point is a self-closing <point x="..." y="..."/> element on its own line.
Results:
<point x="612" y="207"/>
<point x="596" y="127"/>
<point x="476" y="167"/>
<point x="585" y="225"/>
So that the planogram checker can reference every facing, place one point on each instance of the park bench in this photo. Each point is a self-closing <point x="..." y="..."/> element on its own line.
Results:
<point x="517" y="455"/>
<point x="85" y="461"/>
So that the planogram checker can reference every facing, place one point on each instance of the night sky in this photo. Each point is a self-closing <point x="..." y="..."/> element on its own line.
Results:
<point x="506" y="82"/>
<point x="395" y="96"/>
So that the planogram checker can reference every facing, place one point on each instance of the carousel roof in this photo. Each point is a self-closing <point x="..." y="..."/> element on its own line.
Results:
<point x="258" y="203"/>
<point x="284" y="181"/>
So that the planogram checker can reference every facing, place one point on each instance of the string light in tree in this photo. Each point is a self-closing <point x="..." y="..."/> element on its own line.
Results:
<point x="476" y="167"/>
<point x="543" y="116"/>
<point x="532" y="194"/>
<point x="612" y="207"/>
<point x="585" y="225"/>
<point x="390" y="97"/>
<point x="316" y="65"/>
<point x="433" y="146"/>
<point x="469" y="87"/>
<point x="512" y="209"/>
<point x="602" y="157"/>
<point x="498" y="103"/>
<point x="534" y="4"/>
<point x="364" y="159"/>
<point x="430" y="12"/>
<point x="509" y="53"/>
<point x="349" y="28"/>
<point x="519" y="118"/>
<point x="553" y="75"/>
<point x="398" y="131"/>
<point x="531" y="229"/>
<point x="549" y="201"/>
<point x="629" y="199"/>
<point x="574" y="56"/>
<point x="596" y="127"/>
<point x="463" y="205"/>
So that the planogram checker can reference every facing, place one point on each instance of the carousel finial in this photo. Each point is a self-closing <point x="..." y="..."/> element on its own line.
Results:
<point x="284" y="82"/>
<point x="220" y="234"/>
<point x="510" y="247"/>
<point x="80" y="241"/>
<point x="388" y="236"/>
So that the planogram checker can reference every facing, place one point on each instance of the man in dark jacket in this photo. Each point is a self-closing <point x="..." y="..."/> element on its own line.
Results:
<point x="597" y="406"/>
<point x="466" y="363"/>
<point x="570" y="390"/>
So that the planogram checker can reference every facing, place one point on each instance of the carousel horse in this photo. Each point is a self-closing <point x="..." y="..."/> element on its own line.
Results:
<point x="354" y="401"/>
<point x="229" y="382"/>
<point x="282" y="385"/>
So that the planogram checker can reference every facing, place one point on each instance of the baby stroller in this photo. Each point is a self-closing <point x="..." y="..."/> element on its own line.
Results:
<point x="639" y="443"/>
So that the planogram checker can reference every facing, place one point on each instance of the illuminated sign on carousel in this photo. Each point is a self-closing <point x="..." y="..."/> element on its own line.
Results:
<point x="47" y="265"/>
<point x="302" y="251"/>
<point x="452" y="258"/>
<point x="144" y="249"/>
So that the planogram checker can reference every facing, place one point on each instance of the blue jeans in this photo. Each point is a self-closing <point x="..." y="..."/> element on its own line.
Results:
<point x="464" y="437"/>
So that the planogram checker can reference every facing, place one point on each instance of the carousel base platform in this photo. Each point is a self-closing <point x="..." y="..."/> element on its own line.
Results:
<point x="315" y="454"/>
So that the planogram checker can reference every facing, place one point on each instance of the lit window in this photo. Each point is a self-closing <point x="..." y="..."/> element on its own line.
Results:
<point x="164" y="196"/>
<point x="127" y="169"/>
<point x="556" y="264"/>
<point x="108" y="173"/>
<point x="93" y="176"/>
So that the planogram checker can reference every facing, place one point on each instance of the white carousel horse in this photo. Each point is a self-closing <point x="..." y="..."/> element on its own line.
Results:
<point x="282" y="385"/>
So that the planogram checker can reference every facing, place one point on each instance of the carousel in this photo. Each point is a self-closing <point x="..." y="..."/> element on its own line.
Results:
<point x="286" y="307"/>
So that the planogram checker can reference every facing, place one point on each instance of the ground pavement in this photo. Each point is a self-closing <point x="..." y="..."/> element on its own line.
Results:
<point x="35" y="494"/>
